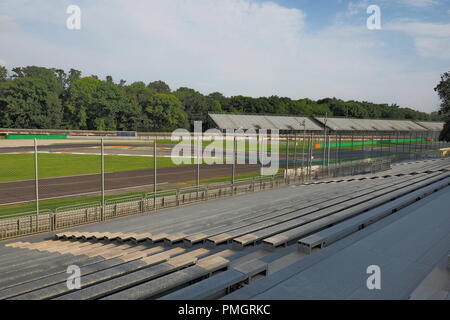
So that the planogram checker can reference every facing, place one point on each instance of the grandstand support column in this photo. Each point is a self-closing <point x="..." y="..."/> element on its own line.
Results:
<point x="36" y="179"/>
<point x="102" y="156"/>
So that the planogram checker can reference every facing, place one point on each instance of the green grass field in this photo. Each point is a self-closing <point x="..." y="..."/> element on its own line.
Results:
<point x="15" y="167"/>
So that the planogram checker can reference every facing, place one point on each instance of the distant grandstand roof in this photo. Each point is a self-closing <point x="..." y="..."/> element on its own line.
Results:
<point x="234" y="121"/>
<point x="349" y="124"/>
<point x="433" y="126"/>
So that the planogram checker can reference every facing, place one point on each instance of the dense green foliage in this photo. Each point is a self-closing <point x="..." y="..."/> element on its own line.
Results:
<point x="42" y="98"/>
<point x="443" y="89"/>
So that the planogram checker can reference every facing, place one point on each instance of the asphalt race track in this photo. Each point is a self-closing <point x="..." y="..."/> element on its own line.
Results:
<point x="142" y="180"/>
<point x="123" y="181"/>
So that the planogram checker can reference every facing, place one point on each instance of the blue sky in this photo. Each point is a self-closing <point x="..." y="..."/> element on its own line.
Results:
<point x="295" y="48"/>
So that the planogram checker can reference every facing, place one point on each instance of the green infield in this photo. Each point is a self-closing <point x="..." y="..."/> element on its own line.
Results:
<point x="14" y="167"/>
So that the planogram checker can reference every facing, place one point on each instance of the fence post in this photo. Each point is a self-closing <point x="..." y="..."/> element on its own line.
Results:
<point x="103" y="179"/>
<point x="154" y="175"/>
<point x="234" y="164"/>
<point x="287" y="154"/>
<point x="36" y="176"/>
<point x="198" y="165"/>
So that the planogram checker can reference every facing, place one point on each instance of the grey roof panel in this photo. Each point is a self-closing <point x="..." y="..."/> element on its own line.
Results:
<point x="433" y="126"/>
<point x="234" y="121"/>
<point x="351" y="124"/>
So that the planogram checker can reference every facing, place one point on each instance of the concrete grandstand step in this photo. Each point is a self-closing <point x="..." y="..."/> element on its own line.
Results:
<point x="55" y="267"/>
<point x="329" y="235"/>
<point x="56" y="285"/>
<point x="174" y="238"/>
<point x="254" y="224"/>
<point x="332" y="205"/>
<point x="151" y="289"/>
<point x="135" y="278"/>
<point x="119" y="236"/>
<point x="254" y="237"/>
<point x="304" y="228"/>
<point x="218" y="285"/>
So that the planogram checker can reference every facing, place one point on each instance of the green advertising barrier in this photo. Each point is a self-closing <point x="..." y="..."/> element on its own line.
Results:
<point x="35" y="136"/>
<point x="374" y="142"/>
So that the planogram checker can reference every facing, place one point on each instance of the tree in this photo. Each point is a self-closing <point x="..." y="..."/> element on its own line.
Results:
<point x="73" y="76"/>
<point x="152" y="111"/>
<point x="38" y="97"/>
<point x="3" y="74"/>
<point x="160" y="87"/>
<point x="197" y="105"/>
<point x="52" y="78"/>
<point x="28" y="103"/>
<point x="166" y="112"/>
<point x="96" y="105"/>
<point x="443" y="90"/>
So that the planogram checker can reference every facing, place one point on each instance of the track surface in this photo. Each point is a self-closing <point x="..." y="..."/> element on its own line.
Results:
<point x="20" y="191"/>
<point x="141" y="180"/>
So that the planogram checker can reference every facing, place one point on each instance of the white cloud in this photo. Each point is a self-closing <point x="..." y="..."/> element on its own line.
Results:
<point x="433" y="48"/>
<point x="432" y="40"/>
<point x="235" y="47"/>
<point x="419" y="3"/>
<point x="414" y="28"/>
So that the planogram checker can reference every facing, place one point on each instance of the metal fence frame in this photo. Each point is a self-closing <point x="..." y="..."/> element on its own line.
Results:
<point x="297" y="172"/>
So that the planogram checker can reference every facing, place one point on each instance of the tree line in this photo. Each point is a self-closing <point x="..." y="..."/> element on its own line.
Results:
<point x="47" y="98"/>
<point x="443" y="90"/>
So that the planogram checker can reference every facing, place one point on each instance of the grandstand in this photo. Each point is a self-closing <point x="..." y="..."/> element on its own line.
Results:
<point x="310" y="241"/>
<point x="258" y="122"/>
<point x="288" y="124"/>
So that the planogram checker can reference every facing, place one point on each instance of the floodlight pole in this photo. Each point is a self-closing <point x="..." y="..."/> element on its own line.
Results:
<point x="36" y="176"/>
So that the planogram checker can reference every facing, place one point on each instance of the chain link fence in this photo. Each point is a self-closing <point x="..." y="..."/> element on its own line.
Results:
<point x="48" y="187"/>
